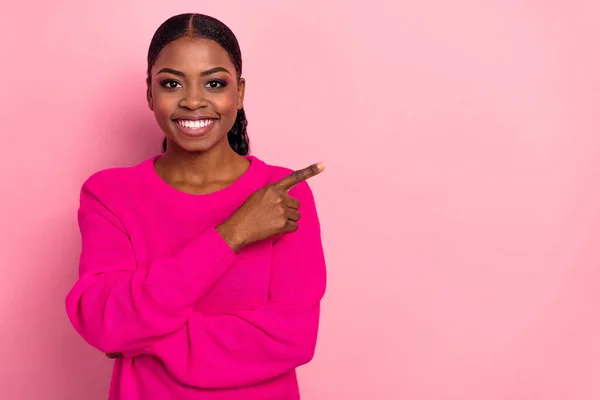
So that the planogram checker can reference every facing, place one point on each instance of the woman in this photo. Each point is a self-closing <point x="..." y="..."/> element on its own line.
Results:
<point x="196" y="272"/>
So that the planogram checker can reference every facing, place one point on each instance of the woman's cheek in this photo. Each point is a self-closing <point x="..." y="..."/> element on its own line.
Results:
<point x="162" y="115"/>
<point x="228" y="106"/>
<point x="163" y="108"/>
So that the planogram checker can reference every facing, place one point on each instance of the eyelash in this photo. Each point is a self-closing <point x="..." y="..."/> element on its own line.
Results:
<point x="166" y="82"/>
<point x="219" y="82"/>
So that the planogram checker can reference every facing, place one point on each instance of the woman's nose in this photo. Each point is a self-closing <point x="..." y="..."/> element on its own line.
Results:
<point x="193" y="99"/>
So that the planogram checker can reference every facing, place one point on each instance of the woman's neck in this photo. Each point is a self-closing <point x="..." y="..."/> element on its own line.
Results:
<point x="200" y="169"/>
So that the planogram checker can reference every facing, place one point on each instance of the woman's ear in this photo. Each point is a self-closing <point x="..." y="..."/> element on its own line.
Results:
<point x="149" y="95"/>
<point x="241" y="92"/>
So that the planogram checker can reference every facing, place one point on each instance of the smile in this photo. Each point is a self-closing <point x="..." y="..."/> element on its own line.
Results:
<point x="195" y="128"/>
<point x="197" y="124"/>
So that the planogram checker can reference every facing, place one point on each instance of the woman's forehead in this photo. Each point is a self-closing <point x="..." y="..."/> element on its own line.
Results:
<point x="193" y="53"/>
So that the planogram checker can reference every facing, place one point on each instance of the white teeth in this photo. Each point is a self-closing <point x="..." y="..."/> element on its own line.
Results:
<point x="194" y="124"/>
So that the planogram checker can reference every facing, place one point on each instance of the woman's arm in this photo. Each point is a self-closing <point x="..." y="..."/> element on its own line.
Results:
<point x="249" y="347"/>
<point x="117" y="305"/>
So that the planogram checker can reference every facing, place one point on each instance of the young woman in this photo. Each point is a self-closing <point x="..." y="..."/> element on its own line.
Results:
<point x="196" y="273"/>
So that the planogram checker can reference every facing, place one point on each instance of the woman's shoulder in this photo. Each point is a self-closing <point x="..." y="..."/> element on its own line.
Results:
<point x="271" y="172"/>
<point x="116" y="179"/>
<point x="277" y="172"/>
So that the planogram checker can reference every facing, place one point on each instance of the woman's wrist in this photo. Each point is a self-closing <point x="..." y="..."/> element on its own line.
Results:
<point x="231" y="235"/>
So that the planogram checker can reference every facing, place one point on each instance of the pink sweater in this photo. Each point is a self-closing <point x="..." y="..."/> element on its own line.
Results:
<point x="194" y="320"/>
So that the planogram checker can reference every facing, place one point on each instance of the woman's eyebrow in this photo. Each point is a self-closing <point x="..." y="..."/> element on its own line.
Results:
<point x="203" y="73"/>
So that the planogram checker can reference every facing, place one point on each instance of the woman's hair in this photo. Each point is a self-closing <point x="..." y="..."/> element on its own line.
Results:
<point x="203" y="26"/>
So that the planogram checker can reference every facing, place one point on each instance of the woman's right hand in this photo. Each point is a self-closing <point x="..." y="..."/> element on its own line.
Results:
<point x="267" y="212"/>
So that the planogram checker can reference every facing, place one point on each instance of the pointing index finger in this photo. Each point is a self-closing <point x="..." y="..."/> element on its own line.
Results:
<point x="299" y="176"/>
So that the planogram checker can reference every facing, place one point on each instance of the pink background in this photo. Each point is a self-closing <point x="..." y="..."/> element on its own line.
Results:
<point x="461" y="205"/>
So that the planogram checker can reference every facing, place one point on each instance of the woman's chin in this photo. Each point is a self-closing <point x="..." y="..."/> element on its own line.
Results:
<point x="195" y="145"/>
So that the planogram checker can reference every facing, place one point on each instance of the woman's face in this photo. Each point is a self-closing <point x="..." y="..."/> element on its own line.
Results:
<point x="195" y="93"/>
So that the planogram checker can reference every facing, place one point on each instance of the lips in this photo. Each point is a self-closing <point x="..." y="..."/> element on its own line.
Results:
<point x="194" y="126"/>
<point x="194" y="117"/>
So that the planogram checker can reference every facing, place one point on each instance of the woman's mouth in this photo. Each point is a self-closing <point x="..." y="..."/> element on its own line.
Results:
<point x="195" y="127"/>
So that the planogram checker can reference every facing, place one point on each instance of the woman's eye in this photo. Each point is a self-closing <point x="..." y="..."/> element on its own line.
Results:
<point x="171" y="84"/>
<point x="216" y="84"/>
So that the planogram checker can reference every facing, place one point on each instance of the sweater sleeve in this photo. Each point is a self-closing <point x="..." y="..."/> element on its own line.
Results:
<point x="118" y="305"/>
<point x="248" y="347"/>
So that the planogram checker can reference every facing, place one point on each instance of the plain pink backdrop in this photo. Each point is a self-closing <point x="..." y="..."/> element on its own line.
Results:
<point x="460" y="207"/>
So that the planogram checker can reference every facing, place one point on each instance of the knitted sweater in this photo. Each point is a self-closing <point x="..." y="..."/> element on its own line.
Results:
<point x="193" y="319"/>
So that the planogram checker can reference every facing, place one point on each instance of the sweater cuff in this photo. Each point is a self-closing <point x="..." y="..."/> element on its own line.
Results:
<point x="197" y="267"/>
<point x="209" y="256"/>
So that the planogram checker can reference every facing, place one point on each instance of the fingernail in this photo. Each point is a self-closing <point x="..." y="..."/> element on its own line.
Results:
<point x="321" y="166"/>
